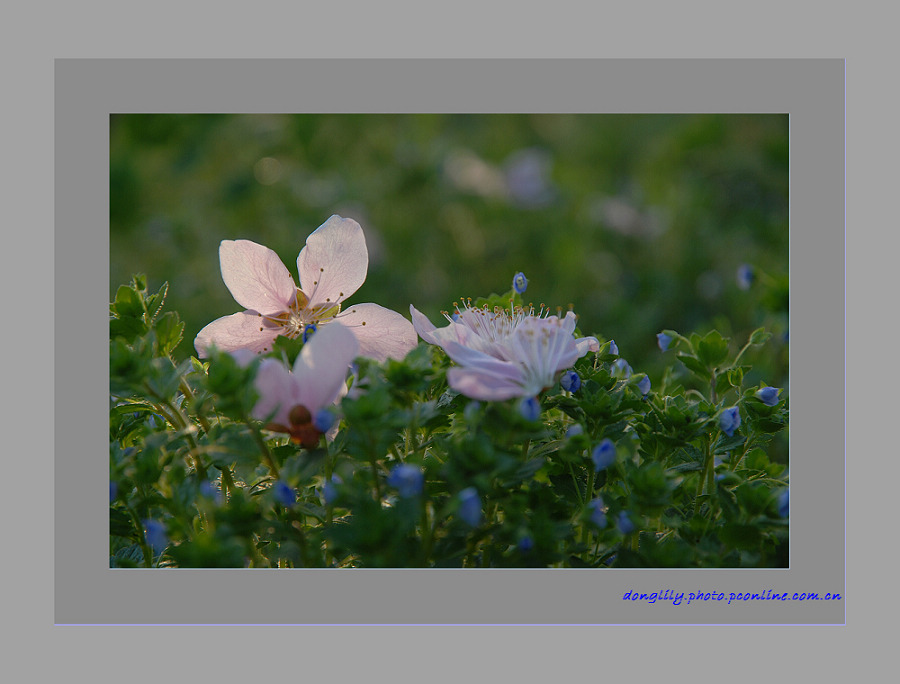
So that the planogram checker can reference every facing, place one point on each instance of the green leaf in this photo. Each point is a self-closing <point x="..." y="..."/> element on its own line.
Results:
<point x="713" y="348"/>
<point x="155" y="302"/>
<point x="694" y="365"/>
<point x="128" y="303"/>
<point x="759" y="336"/>
<point x="169" y="332"/>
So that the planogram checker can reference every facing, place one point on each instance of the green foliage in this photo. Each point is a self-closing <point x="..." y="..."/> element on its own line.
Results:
<point x="186" y="456"/>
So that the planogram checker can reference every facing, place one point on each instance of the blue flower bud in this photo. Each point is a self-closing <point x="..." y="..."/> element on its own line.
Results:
<point x="470" y="506"/>
<point x="745" y="276"/>
<point x="598" y="516"/>
<point x="308" y="332"/>
<point x="730" y="420"/>
<point x="329" y="489"/>
<point x="530" y="408"/>
<point x="155" y="534"/>
<point x="613" y="348"/>
<point x="570" y="381"/>
<point x="407" y="479"/>
<point x="644" y="385"/>
<point x="207" y="491"/>
<point x="324" y="419"/>
<point x="625" y="524"/>
<point x="604" y="455"/>
<point x="573" y="430"/>
<point x="768" y="395"/>
<point x="526" y="543"/>
<point x="784" y="503"/>
<point x="663" y="341"/>
<point x="622" y="368"/>
<point x="470" y="412"/>
<point x="520" y="282"/>
<point x="113" y="490"/>
<point x="284" y="493"/>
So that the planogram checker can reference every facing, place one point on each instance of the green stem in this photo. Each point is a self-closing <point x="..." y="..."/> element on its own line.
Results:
<point x="261" y="443"/>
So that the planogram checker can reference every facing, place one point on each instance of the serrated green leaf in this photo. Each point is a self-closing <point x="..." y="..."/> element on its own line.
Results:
<point x="128" y="303"/>
<point x="694" y="365"/>
<point x="713" y="348"/>
<point x="169" y="332"/>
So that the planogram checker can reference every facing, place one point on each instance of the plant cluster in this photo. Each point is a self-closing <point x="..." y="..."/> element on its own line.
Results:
<point x="505" y="439"/>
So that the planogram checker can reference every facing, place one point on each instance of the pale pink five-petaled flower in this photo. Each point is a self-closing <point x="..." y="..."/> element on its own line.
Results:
<point x="501" y="354"/>
<point x="331" y="266"/>
<point x="289" y="401"/>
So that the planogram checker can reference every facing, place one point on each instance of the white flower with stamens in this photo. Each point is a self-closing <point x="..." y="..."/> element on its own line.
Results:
<point x="501" y="354"/>
<point x="331" y="266"/>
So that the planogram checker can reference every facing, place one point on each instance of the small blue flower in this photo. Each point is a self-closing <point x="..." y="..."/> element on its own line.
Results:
<point x="621" y="368"/>
<point x="329" y="489"/>
<point x="323" y="420"/>
<point x="573" y="430"/>
<point x="470" y="506"/>
<point x="768" y="395"/>
<point x="625" y="524"/>
<point x="530" y="408"/>
<point x="520" y="282"/>
<point x="663" y="341"/>
<point x="470" y="412"/>
<point x="284" y="493"/>
<point x="570" y="381"/>
<point x="604" y="455"/>
<point x="207" y="491"/>
<point x="155" y="534"/>
<point x="526" y="543"/>
<point x="644" y="385"/>
<point x="784" y="503"/>
<point x="308" y="332"/>
<point x="113" y="490"/>
<point x="598" y="516"/>
<point x="407" y="479"/>
<point x="730" y="420"/>
<point x="613" y="347"/>
<point x="455" y="317"/>
<point x="745" y="276"/>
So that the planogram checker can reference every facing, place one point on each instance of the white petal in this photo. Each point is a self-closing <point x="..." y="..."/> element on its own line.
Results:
<point x="586" y="344"/>
<point x="256" y="277"/>
<point x="275" y="386"/>
<point x="334" y="262"/>
<point x="320" y="371"/>
<point x="234" y="332"/>
<point x="382" y="333"/>
<point x="483" y="386"/>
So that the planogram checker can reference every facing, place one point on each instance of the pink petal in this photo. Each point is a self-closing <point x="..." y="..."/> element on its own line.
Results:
<point x="586" y="344"/>
<point x="422" y="325"/>
<point x="256" y="277"/>
<point x="334" y="262"/>
<point x="382" y="333"/>
<point x="483" y="386"/>
<point x="275" y="386"/>
<point x="237" y="331"/>
<point x="320" y="371"/>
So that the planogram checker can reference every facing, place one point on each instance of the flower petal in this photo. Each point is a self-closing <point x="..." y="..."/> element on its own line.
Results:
<point x="320" y="371"/>
<point x="586" y="344"/>
<point x="256" y="277"/>
<point x="382" y="333"/>
<point x="483" y="386"/>
<point x="237" y="331"/>
<point x="334" y="262"/>
<point x="275" y="386"/>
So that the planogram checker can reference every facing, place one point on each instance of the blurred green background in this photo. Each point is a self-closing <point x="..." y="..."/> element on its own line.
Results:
<point x="639" y="221"/>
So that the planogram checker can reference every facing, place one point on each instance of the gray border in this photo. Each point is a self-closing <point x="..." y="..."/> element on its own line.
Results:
<point x="87" y="91"/>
